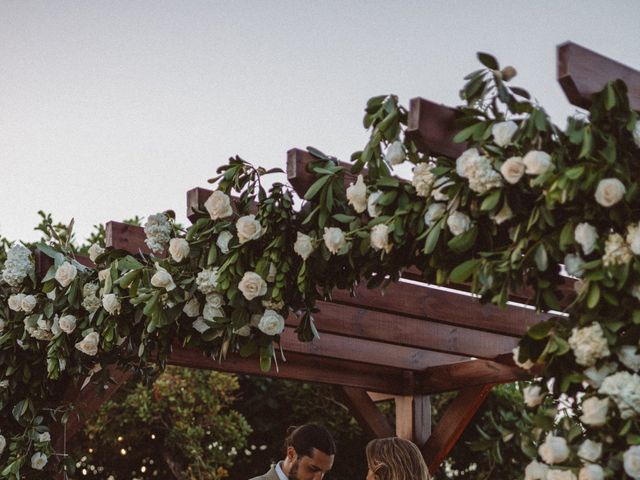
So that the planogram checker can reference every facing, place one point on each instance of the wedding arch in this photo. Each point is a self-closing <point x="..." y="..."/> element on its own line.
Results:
<point x="383" y="287"/>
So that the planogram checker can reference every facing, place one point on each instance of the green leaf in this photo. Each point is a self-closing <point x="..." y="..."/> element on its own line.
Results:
<point x="316" y="187"/>
<point x="610" y="97"/>
<point x="342" y="218"/>
<point x="488" y="61"/>
<point x="587" y="143"/>
<point x="462" y="272"/>
<point x="594" y="295"/>
<point x="540" y="330"/>
<point x="58" y="257"/>
<point x="491" y="200"/>
<point x="464" y="241"/>
<point x="432" y="237"/>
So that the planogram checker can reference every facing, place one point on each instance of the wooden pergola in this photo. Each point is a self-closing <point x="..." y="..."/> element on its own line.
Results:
<point x="416" y="339"/>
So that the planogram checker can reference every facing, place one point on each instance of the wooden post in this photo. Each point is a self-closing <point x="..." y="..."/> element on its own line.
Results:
<point x="413" y="418"/>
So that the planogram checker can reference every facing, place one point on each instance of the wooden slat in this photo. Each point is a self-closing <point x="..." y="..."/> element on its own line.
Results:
<point x="126" y="237"/>
<point x="359" y="350"/>
<point x="423" y="301"/>
<point x="444" y="378"/>
<point x="306" y="368"/>
<point x="370" y="418"/>
<point x="583" y="72"/>
<point x="431" y="128"/>
<point x="451" y="425"/>
<point x="424" y="334"/>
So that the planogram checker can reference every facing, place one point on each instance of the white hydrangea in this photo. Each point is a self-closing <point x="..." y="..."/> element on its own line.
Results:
<point x="207" y="280"/>
<point x="423" y="179"/>
<point x="478" y="170"/>
<point x="158" y="232"/>
<point x="624" y="388"/>
<point x="554" y="450"/>
<point x="588" y="344"/>
<point x="616" y="251"/>
<point x="17" y="265"/>
<point x="587" y="236"/>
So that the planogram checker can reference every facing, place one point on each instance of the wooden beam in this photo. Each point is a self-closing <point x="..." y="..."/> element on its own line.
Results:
<point x="397" y="329"/>
<point x="452" y="424"/>
<point x="370" y="418"/>
<point x="444" y="378"/>
<point x="431" y="127"/>
<point x="583" y="72"/>
<point x="127" y="237"/>
<point x="301" y="178"/>
<point x="306" y="368"/>
<point x="195" y="199"/>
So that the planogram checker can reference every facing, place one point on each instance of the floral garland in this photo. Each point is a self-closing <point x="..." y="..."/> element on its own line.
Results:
<point x="525" y="198"/>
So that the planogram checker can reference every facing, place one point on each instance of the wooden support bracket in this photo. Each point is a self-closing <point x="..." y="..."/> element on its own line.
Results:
<point x="363" y="408"/>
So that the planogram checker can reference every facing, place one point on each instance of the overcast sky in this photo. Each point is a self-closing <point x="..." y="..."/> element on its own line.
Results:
<point x="110" y="109"/>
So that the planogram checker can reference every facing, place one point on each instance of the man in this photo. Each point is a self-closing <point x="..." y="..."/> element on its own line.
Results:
<point x="310" y="451"/>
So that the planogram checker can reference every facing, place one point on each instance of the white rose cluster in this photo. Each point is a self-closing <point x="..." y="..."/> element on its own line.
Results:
<point x="588" y="344"/>
<point x="616" y="251"/>
<point x="624" y="388"/>
<point x="423" y="179"/>
<point x="158" y="232"/>
<point x="207" y="280"/>
<point x="17" y="265"/>
<point x="357" y="195"/>
<point x="38" y="327"/>
<point x="20" y="302"/>
<point x="478" y="170"/>
<point x="111" y="303"/>
<point x="90" y="302"/>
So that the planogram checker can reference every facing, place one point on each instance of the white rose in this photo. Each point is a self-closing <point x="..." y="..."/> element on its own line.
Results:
<point x="458" y="223"/>
<point x="89" y="344"/>
<point x="334" y="239"/>
<point x="271" y="323"/>
<point x="223" y="241"/>
<point x="273" y="271"/>
<point x="594" y="411"/>
<point x="3" y="443"/>
<point x="200" y="325"/>
<point x="15" y="302"/>
<point x="303" y="245"/>
<point x="632" y="462"/>
<point x="252" y="285"/>
<point x="633" y="237"/>
<point x="434" y="213"/>
<point x="586" y="235"/>
<point x="395" y="153"/>
<point x="628" y="355"/>
<point x="554" y="450"/>
<point x="209" y="312"/>
<point x="380" y="237"/>
<point x="591" y="472"/>
<point x="512" y="170"/>
<point x="503" y="214"/>
<point x="178" y="249"/>
<point x="111" y="303"/>
<point x="66" y="273"/>
<point x="163" y="279"/>
<point x="357" y="195"/>
<point x="536" y="162"/>
<point x="38" y="461"/>
<point x="590" y="450"/>
<point x="248" y="228"/>
<point x="215" y="299"/>
<point x="503" y="132"/>
<point x="588" y="344"/>
<point x="573" y="265"/>
<point x="243" y="331"/>
<point x="533" y="395"/>
<point x="468" y="158"/>
<point x="218" y="205"/>
<point x="192" y="308"/>
<point x="95" y="251"/>
<point x="609" y="192"/>
<point x="103" y="274"/>
<point x="595" y="376"/>
<point x="372" y="208"/>
<point x="43" y="437"/>
<point x="536" y="471"/>
<point x="526" y="365"/>
<point x="555" y="474"/>
<point x="67" y="323"/>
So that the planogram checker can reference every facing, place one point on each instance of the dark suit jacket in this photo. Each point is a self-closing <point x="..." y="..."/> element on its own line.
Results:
<point x="270" y="475"/>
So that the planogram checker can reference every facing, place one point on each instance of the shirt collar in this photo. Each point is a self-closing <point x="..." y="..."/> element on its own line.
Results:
<point x="279" y="471"/>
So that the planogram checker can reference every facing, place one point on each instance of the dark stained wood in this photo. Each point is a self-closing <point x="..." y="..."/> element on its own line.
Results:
<point x="453" y="422"/>
<point x="359" y="350"/>
<point x="306" y="368"/>
<point x="127" y="237"/>
<point x="301" y="178"/>
<point x="195" y="201"/>
<point x="431" y="128"/>
<point x="386" y="327"/>
<point x="424" y="301"/>
<point x="444" y="378"/>
<point x="583" y="72"/>
<point x="370" y="418"/>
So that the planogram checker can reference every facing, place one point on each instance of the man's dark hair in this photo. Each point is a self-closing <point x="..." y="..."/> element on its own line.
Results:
<point x="307" y="437"/>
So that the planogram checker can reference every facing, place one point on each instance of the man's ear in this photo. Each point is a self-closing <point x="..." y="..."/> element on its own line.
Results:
<point x="291" y="453"/>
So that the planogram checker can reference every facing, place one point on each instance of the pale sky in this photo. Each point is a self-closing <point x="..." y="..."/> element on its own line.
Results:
<point x="110" y="109"/>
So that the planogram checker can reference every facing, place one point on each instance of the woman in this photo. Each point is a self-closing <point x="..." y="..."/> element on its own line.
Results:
<point x="395" y="459"/>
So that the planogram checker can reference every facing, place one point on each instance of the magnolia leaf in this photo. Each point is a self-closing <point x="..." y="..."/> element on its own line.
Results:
<point x="464" y="241"/>
<point x="462" y="272"/>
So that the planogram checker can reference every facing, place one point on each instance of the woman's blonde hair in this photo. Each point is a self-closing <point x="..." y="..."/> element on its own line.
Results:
<point x="395" y="458"/>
